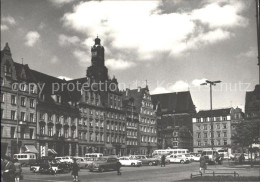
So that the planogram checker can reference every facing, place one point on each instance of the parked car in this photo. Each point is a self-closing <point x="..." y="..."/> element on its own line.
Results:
<point x="180" y="158"/>
<point x="195" y="157"/>
<point x="145" y="160"/>
<point x="159" y="158"/>
<point x="126" y="161"/>
<point x="82" y="162"/>
<point x="104" y="164"/>
<point x="45" y="166"/>
<point x="210" y="156"/>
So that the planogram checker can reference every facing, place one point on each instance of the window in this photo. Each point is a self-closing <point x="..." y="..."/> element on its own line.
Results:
<point x="12" y="132"/>
<point x="42" y="129"/>
<point x="198" y="127"/>
<point x="224" y="118"/>
<point x="225" y="134"/>
<point x="31" y="133"/>
<point x="218" y="126"/>
<point x="199" y="143"/>
<point x="13" y="115"/>
<point x="32" y="103"/>
<point x="199" y="135"/>
<point x="218" y="133"/>
<point x="205" y="127"/>
<point x="225" y="142"/>
<point x="22" y="101"/>
<point x="13" y="99"/>
<point x="2" y="129"/>
<point x="2" y="97"/>
<point x="66" y="133"/>
<point x="2" y="113"/>
<point x="22" y="86"/>
<point x="73" y="133"/>
<point x="22" y="116"/>
<point x="58" y="98"/>
<point x="224" y="126"/>
<point x="212" y="142"/>
<point x="219" y="143"/>
<point x="205" y="143"/>
<point x="205" y="135"/>
<point x="58" y="132"/>
<point x="31" y="117"/>
<point x="50" y="131"/>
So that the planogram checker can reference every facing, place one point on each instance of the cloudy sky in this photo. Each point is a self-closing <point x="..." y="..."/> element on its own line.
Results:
<point x="175" y="45"/>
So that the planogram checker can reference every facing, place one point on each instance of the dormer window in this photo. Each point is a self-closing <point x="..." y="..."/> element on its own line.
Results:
<point x="7" y="68"/>
<point x="58" y="98"/>
<point x="22" y="87"/>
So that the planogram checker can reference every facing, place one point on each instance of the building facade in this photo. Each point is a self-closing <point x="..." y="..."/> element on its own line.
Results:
<point x="147" y="131"/>
<point x="175" y="111"/>
<point x="221" y="122"/>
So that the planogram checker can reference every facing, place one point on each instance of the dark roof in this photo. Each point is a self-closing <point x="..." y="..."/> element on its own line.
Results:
<point x="24" y="70"/>
<point x="176" y="102"/>
<point x="137" y="95"/>
<point x="214" y="113"/>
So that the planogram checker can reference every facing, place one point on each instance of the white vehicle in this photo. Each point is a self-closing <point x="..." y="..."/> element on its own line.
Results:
<point x="195" y="157"/>
<point x="210" y="155"/>
<point x="180" y="158"/>
<point x="170" y="151"/>
<point x="94" y="155"/>
<point x="25" y="158"/>
<point x="126" y="161"/>
<point x="68" y="159"/>
<point x="225" y="154"/>
<point x="61" y="159"/>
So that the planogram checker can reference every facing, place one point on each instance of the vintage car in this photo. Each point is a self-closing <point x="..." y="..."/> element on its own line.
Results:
<point x="126" y="161"/>
<point x="104" y="164"/>
<point x="145" y="160"/>
<point x="82" y="162"/>
<point x="49" y="166"/>
<point x="159" y="158"/>
<point x="195" y="156"/>
<point x="180" y="158"/>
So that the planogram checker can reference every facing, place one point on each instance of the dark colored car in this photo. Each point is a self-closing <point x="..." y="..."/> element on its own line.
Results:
<point x="145" y="160"/>
<point x="104" y="164"/>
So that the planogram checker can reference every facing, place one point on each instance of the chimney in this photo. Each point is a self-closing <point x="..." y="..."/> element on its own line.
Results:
<point x="139" y="89"/>
<point x="127" y="92"/>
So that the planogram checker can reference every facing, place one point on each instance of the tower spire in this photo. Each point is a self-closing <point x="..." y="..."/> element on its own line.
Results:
<point x="258" y="33"/>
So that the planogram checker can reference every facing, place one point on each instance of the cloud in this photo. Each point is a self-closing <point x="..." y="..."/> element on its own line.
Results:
<point x="55" y="60"/>
<point x="9" y="20"/>
<point x="197" y="82"/>
<point x="59" y="3"/>
<point x="217" y="15"/>
<point x="4" y="27"/>
<point x="64" y="77"/>
<point x="178" y="86"/>
<point x="32" y="38"/>
<point x="147" y="32"/>
<point x="251" y="53"/>
<point x="118" y="64"/>
<point x="65" y="40"/>
<point x="83" y="57"/>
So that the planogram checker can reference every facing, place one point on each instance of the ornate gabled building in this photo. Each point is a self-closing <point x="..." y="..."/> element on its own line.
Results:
<point x="132" y="124"/>
<point x="175" y="111"/>
<point x="18" y="106"/>
<point x="147" y="131"/>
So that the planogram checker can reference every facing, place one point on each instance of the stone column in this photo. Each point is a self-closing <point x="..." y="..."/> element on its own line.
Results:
<point x="69" y="149"/>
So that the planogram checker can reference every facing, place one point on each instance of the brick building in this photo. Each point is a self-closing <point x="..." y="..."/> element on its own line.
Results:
<point x="175" y="111"/>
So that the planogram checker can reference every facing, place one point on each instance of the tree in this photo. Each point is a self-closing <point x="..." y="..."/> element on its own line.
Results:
<point x="247" y="133"/>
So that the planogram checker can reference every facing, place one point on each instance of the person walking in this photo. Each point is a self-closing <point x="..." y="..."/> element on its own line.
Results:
<point x="18" y="170"/>
<point x="75" y="170"/>
<point x="9" y="170"/>
<point x="203" y="165"/>
<point x="118" y="166"/>
<point x="163" y="160"/>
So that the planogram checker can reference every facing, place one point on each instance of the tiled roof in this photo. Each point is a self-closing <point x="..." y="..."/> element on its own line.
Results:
<point x="214" y="113"/>
<point x="176" y="102"/>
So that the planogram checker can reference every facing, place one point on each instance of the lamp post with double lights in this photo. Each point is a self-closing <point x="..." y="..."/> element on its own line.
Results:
<point x="211" y="83"/>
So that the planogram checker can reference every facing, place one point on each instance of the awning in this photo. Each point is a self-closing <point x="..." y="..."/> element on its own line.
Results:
<point x="31" y="148"/>
<point x="52" y="151"/>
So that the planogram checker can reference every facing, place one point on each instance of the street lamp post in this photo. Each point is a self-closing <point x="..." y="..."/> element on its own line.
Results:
<point x="211" y="83"/>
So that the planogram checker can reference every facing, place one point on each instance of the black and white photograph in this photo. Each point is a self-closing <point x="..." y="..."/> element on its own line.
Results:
<point x="130" y="90"/>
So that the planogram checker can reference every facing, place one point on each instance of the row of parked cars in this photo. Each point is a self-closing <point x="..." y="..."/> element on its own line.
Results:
<point x="62" y="164"/>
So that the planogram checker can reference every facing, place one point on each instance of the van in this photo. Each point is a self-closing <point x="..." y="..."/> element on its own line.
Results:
<point x="210" y="155"/>
<point x="25" y="158"/>
<point x="93" y="155"/>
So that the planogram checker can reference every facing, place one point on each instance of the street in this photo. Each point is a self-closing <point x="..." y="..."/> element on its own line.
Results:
<point x="171" y="172"/>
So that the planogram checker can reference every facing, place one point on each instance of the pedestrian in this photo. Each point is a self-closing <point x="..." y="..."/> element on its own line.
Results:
<point x="9" y="170"/>
<point x="163" y="160"/>
<point x="203" y="165"/>
<point x="75" y="170"/>
<point x="18" y="170"/>
<point x="118" y="166"/>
